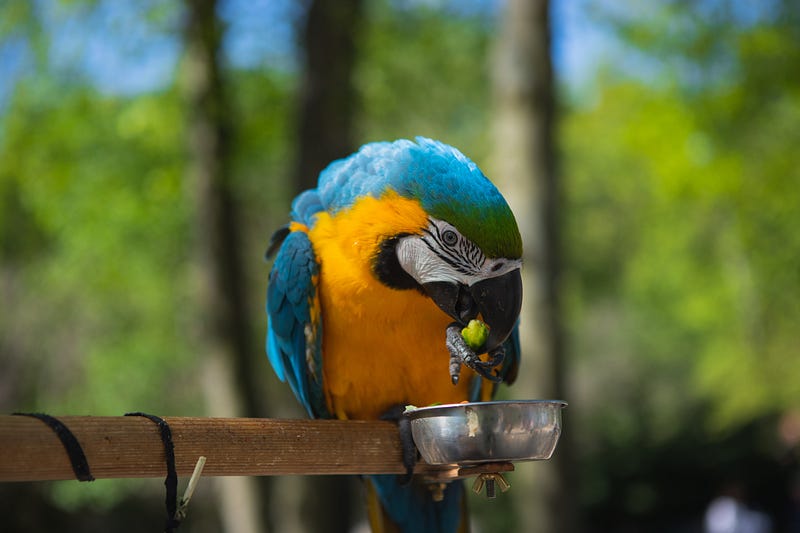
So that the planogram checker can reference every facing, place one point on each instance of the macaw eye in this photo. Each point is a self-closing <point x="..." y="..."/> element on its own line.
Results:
<point x="449" y="237"/>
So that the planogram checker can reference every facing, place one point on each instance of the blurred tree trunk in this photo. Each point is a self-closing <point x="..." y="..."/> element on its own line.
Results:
<point x="525" y="162"/>
<point x="222" y="326"/>
<point x="325" y="114"/>
<point x="327" y="96"/>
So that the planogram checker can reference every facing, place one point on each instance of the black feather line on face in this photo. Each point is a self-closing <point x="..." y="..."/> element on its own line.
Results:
<point x="471" y="253"/>
<point x="465" y="256"/>
<point x="444" y="253"/>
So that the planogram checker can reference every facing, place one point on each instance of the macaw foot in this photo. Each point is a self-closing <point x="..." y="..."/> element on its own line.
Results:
<point x="461" y="353"/>
<point x="409" y="449"/>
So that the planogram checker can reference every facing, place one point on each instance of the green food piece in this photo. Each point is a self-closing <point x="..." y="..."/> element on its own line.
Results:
<point x="410" y="408"/>
<point x="475" y="334"/>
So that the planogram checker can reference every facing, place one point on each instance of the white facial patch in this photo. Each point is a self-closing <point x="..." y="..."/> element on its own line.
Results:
<point x="441" y="253"/>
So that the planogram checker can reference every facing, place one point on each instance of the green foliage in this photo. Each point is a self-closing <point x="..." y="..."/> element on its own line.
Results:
<point x="683" y="254"/>
<point x="95" y="244"/>
<point x="97" y="184"/>
<point x="687" y="194"/>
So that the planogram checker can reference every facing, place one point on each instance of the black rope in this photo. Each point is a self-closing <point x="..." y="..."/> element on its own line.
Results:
<point x="71" y="445"/>
<point x="171" y="482"/>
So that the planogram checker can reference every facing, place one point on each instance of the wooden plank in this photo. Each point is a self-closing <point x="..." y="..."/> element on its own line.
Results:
<point x="127" y="447"/>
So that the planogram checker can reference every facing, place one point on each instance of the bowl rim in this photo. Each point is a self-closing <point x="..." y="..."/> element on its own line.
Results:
<point x="431" y="410"/>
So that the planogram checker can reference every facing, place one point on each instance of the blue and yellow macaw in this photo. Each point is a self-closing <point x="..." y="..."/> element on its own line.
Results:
<point x="400" y="245"/>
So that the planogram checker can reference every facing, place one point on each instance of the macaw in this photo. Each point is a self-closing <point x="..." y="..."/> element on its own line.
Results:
<point x="400" y="246"/>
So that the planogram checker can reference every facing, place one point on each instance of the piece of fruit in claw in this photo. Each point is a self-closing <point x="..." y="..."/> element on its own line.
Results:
<point x="475" y="334"/>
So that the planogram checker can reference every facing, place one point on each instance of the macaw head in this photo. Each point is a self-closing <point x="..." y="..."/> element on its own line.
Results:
<point x="466" y="256"/>
<point x="465" y="282"/>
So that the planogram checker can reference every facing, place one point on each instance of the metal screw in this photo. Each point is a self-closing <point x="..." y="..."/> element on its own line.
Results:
<point x="490" y="489"/>
<point x="489" y="480"/>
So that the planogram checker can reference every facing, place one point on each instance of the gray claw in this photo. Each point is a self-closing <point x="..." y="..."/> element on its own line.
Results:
<point x="455" y="368"/>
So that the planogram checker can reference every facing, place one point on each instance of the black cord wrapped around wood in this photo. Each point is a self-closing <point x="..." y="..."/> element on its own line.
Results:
<point x="171" y="481"/>
<point x="71" y="445"/>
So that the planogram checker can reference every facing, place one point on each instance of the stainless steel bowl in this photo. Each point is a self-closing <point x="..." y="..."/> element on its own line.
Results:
<point x="486" y="432"/>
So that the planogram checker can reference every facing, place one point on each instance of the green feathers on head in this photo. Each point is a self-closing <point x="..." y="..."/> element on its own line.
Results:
<point x="490" y="225"/>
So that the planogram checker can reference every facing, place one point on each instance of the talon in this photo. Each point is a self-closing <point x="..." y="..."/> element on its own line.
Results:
<point x="455" y="369"/>
<point x="486" y="373"/>
<point x="497" y="356"/>
<point x="460" y="354"/>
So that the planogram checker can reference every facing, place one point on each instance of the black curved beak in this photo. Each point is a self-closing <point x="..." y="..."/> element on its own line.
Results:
<point x="498" y="301"/>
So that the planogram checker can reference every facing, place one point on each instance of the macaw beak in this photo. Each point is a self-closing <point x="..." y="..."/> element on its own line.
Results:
<point x="497" y="300"/>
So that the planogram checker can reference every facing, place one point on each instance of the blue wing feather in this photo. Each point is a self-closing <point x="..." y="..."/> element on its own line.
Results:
<point x="294" y="340"/>
<point x="274" y="351"/>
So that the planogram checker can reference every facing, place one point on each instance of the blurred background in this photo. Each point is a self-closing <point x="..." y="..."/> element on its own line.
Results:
<point x="650" y="151"/>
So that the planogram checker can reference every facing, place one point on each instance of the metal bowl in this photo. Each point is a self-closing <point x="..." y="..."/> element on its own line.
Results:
<point x="487" y="432"/>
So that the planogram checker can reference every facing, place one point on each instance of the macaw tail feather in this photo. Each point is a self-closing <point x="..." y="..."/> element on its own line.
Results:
<point x="394" y="508"/>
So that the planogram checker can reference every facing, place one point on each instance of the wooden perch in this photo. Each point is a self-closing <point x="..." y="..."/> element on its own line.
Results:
<point x="130" y="447"/>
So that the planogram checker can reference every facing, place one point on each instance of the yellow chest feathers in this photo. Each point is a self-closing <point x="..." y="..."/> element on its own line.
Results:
<point x="381" y="346"/>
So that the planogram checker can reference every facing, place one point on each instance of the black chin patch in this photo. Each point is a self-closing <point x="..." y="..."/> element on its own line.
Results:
<point x="386" y="267"/>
